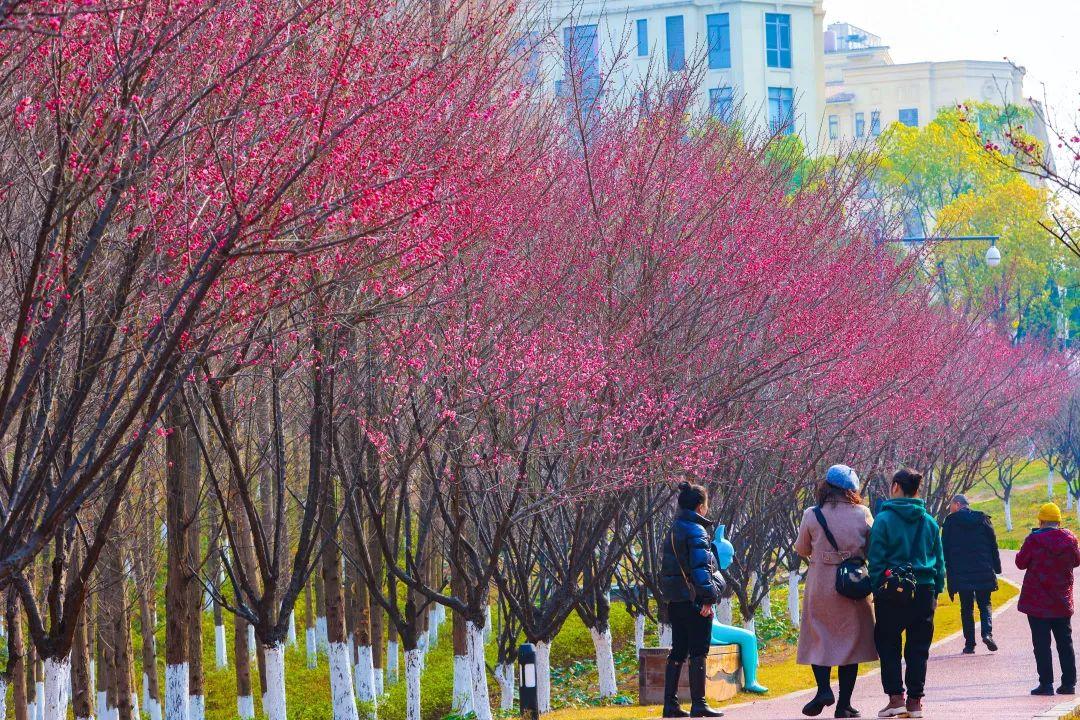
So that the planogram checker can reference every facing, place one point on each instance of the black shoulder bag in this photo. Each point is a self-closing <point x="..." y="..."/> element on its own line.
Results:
<point x="852" y="575"/>
<point x="899" y="582"/>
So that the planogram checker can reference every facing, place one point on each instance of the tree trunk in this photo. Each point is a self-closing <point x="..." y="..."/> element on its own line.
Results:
<point x="481" y="699"/>
<point x="117" y="632"/>
<point x="341" y="684"/>
<point x="310" y="634"/>
<point x="151" y="691"/>
<point x="543" y="675"/>
<point x="196" y="692"/>
<point x="639" y="632"/>
<point x="180" y="446"/>
<point x="245" y="701"/>
<point x="274" y="700"/>
<point x="320" y="614"/>
<point x="413" y="667"/>
<point x="663" y="624"/>
<point x="392" y="653"/>
<point x="1008" y="514"/>
<point x="1050" y="484"/>
<point x="101" y="681"/>
<point x="462" y="698"/>
<point x="16" y="657"/>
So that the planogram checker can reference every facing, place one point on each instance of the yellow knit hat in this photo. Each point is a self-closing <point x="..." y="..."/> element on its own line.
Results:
<point x="1050" y="512"/>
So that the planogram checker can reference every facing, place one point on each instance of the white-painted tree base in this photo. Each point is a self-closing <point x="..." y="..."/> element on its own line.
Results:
<point x="487" y="623"/>
<point x="100" y="708"/>
<point x="723" y="611"/>
<point x="392" y="656"/>
<point x="3" y="697"/>
<point x="461" y="701"/>
<point x="750" y="626"/>
<point x="31" y="710"/>
<point x="504" y="674"/>
<point x="639" y="632"/>
<point x="146" y="692"/>
<point x="543" y="676"/>
<point x="251" y="640"/>
<point x="379" y="687"/>
<point x="309" y="646"/>
<point x="364" y="675"/>
<point x="605" y="662"/>
<point x="322" y="641"/>
<point x="663" y="634"/>
<point x="341" y="682"/>
<point x="39" y="695"/>
<point x="153" y="709"/>
<point x="1050" y="485"/>
<point x="794" y="607"/>
<point x="176" y="692"/>
<point x="291" y="637"/>
<point x="196" y="707"/>
<point x="1008" y="515"/>
<point x="135" y="714"/>
<point x="274" y="699"/>
<point x="245" y="707"/>
<point x="413" y="668"/>
<point x="51" y="695"/>
<point x="221" y="655"/>
<point x="481" y="698"/>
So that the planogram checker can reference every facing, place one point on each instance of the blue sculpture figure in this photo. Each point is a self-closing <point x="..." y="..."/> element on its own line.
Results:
<point x="728" y="635"/>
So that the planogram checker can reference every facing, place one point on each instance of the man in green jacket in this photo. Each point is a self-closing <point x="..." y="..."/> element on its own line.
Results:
<point x="904" y="534"/>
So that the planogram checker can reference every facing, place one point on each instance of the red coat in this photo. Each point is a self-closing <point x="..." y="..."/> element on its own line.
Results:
<point x="1049" y="557"/>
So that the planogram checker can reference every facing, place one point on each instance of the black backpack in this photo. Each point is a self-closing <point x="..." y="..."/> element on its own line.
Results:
<point x="852" y="575"/>
<point x="898" y="583"/>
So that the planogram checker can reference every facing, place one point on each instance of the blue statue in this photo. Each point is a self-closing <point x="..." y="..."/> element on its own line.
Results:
<point x="728" y="635"/>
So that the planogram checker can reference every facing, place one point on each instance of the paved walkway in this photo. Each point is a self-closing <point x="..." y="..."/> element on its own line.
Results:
<point x="984" y="685"/>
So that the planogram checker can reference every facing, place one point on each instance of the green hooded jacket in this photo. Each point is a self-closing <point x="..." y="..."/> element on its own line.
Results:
<point x="893" y="542"/>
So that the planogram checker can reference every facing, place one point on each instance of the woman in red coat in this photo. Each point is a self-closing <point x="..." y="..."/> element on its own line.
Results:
<point x="1049" y="555"/>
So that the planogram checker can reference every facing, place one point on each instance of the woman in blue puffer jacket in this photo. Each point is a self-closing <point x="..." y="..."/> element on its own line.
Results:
<point x="691" y="583"/>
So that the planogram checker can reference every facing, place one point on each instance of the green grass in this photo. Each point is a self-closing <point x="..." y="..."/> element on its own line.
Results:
<point x="1025" y="507"/>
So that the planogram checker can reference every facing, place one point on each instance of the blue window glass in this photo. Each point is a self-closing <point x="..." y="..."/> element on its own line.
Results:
<point x="778" y="40"/>
<point x="910" y="117"/>
<point x="875" y="122"/>
<point x="718" y="27"/>
<point x="527" y="47"/>
<point x="642" y="37"/>
<point x="722" y="103"/>
<point x="676" y="42"/>
<point x="860" y="125"/>
<point x="582" y="60"/>
<point x="834" y="127"/>
<point x="781" y="110"/>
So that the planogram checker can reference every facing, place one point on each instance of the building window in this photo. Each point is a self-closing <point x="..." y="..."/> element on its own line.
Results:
<point x="722" y="103"/>
<point x="834" y="127"/>
<point x="860" y="125"/>
<point x="781" y="116"/>
<point x="875" y="123"/>
<point x="527" y="48"/>
<point x="910" y="117"/>
<point x="642" y="37"/>
<point x="582" y="58"/>
<point x="718" y="26"/>
<point x="676" y="45"/>
<point x="778" y="40"/>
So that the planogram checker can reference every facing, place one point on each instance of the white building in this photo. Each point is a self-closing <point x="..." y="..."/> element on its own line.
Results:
<point x="866" y="91"/>
<point x="766" y="58"/>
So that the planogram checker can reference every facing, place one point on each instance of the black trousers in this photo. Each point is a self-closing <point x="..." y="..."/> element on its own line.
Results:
<point x="1061" y="629"/>
<point x="690" y="632"/>
<point x="968" y="599"/>
<point x="916" y="622"/>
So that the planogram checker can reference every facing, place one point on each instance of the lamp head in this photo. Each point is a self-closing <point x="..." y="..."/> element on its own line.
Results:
<point x="993" y="256"/>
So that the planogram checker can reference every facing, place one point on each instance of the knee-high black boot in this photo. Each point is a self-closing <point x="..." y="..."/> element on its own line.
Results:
<point x="671" y="690"/>
<point x="698" y="707"/>
<point x="848" y="674"/>
<point x="824" y="697"/>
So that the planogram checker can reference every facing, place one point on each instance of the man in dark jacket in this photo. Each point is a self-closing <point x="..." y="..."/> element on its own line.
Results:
<point x="1049" y="556"/>
<point x="972" y="564"/>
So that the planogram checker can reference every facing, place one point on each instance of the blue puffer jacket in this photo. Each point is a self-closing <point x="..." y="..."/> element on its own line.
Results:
<point x="687" y="547"/>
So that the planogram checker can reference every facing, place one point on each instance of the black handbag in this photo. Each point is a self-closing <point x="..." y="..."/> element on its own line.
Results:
<point x="898" y="583"/>
<point x="852" y="575"/>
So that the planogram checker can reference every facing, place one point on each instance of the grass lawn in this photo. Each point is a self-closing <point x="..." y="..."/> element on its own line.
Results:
<point x="779" y="672"/>
<point x="1025" y="507"/>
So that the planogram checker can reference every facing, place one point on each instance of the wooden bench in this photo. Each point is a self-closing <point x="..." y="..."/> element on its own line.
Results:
<point x="723" y="674"/>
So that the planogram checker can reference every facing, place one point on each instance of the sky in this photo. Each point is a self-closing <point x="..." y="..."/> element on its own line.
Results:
<point x="1043" y="36"/>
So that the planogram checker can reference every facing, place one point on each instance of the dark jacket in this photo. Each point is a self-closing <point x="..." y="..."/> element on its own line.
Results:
<point x="972" y="561"/>
<point x="1049" y="556"/>
<point x="687" y="550"/>
<point x="904" y="533"/>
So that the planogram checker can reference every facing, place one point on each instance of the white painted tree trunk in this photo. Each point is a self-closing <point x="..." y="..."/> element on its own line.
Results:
<point x="1078" y="511"/>
<point x="1050" y="484"/>
<point x="245" y="707"/>
<point x="251" y="640"/>
<point x="145" y="692"/>
<point x="364" y="673"/>
<point x="101" y="707"/>
<point x="1068" y="500"/>
<point x="31" y="710"/>
<point x="639" y="632"/>
<point x="379" y="682"/>
<point x="134" y="705"/>
<point x="291" y="638"/>
<point x="461" y="702"/>
<point x="221" y="656"/>
<point x="663" y="635"/>
<point x="153" y="709"/>
<point x="793" y="605"/>
<point x="1008" y="515"/>
<point x="274" y="699"/>
<point x="750" y="626"/>
<point x="392" y="661"/>
<point x="481" y="698"/>
<point x="412" y="684"/>
<point x="724" y="612"/>
<point x="487" y="624"/>
<point x="309" y="645"/>
<point x="433" y="629"/>
<point x="504" y="674"/>
<point x="321" y="638"/>
<point x="605" y="662"/>
<point x="176" y="692"/>
<point x="766" y="603"/>
<point x="3" y="698"/>
<point x="341" y="682"/>
<point x="543" y="676"/>
<point x="39" y="694"/>
<point x="197" y="707"/>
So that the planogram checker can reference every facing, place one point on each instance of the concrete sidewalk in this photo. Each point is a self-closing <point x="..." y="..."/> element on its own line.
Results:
<point x="984" y="685"/>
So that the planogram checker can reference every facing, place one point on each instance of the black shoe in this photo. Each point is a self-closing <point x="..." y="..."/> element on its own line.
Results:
<point x="1066" y="689"/>
<point x="990" y="644"/>
<point x="671" y="690"/>
<point x="969" y="649"/>
<point x="698" y="707"/>
<point x="1043" y="690"/>
<point x="846" y="712"/>
<point x="819" y="703"/>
